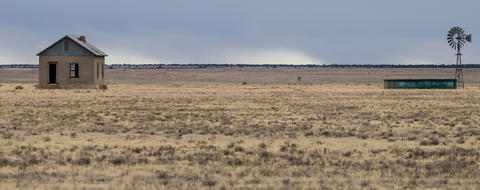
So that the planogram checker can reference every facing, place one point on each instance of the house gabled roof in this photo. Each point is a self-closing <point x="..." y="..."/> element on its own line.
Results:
<point x="88" y="46"/>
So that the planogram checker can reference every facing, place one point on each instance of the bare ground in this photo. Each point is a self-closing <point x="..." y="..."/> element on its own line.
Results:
<point x="223" y="134"/>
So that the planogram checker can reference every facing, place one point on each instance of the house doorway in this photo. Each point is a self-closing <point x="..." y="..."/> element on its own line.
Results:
<point x="52" y="73"/>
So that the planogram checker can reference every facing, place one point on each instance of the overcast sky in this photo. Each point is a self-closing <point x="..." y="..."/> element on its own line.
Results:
<point x="244" y="31"/>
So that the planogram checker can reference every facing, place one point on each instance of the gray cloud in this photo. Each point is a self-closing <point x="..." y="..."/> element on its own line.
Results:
<point x="247" y="31"/>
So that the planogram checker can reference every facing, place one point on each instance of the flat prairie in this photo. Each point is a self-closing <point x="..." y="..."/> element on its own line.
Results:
<point x="240" y="128"/>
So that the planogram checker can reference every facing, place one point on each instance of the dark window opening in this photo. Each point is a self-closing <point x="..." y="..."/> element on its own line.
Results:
<point x="103" y="70"/>
<point x="65" y="45"/>
<point x="98" y="70"/>
<point x="73" y="70"/>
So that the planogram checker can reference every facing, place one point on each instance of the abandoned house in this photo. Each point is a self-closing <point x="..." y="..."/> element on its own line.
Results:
<point x="71" y="62"/>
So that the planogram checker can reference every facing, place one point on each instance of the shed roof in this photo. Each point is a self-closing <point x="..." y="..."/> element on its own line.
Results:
<point x="88" y="46"/>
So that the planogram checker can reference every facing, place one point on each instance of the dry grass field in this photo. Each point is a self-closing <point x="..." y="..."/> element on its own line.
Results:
<point x="240" y="128"/>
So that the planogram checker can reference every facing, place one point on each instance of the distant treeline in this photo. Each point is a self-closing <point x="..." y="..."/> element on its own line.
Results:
<point x="202" y="66"/>
<point x="20" y="66"/>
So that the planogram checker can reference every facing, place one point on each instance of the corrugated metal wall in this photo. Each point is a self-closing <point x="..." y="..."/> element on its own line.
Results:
<point x="420" y="84"/>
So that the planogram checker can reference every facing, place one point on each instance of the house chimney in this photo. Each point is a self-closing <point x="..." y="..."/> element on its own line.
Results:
<point x="83" y="38"/>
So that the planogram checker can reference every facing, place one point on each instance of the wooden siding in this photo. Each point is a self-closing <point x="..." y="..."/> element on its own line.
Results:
<point x="73" y="49"/>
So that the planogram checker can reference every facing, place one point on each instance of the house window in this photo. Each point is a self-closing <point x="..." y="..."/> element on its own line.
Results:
<point x="65" y="45"/>
<point x="73" y="70"/>
<point x="103" y="70"/>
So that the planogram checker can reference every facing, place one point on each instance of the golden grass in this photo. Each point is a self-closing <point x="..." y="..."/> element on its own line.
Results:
<point x="159" y="136"/>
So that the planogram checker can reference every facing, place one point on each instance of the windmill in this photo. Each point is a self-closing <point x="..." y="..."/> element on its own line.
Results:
<point x="457" y="38"/>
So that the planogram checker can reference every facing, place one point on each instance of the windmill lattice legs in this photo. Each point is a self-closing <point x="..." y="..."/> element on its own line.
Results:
<point x="459" y="70"/>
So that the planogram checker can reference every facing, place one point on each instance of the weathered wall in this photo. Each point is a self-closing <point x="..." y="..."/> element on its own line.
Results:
<point x="87" y="71"/>
<point x="99" y="70"/>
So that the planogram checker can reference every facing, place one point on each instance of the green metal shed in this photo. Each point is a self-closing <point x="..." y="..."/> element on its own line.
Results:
<point x="420" y="83"/>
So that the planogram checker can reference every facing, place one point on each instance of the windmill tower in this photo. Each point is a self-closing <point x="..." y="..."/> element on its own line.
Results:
<point x="457" y="38"/>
